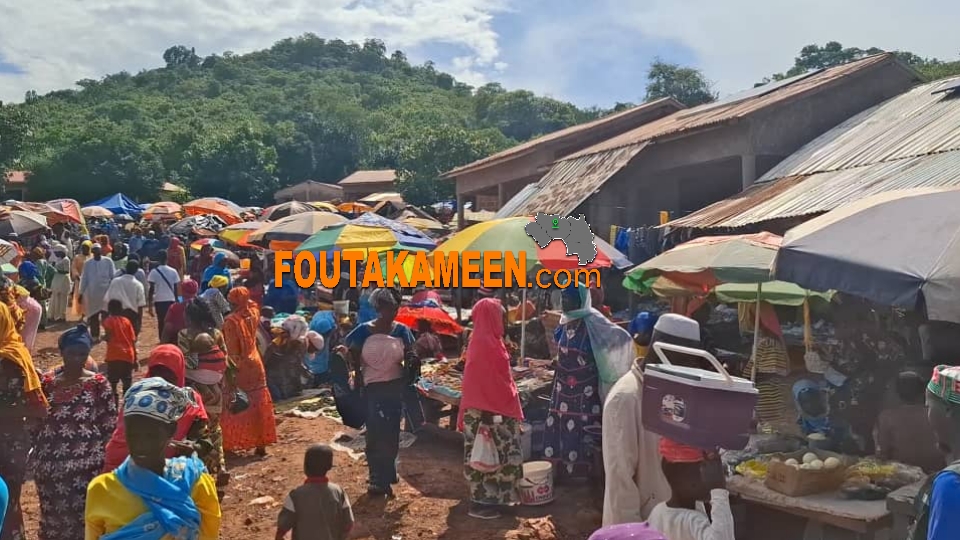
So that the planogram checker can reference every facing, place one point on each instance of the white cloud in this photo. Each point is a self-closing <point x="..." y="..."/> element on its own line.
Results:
<point x="57" y="42"/>
<point x="738" y="42"/>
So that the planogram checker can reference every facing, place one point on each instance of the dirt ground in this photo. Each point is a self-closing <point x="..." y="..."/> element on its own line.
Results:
<point x="430" y="501"/>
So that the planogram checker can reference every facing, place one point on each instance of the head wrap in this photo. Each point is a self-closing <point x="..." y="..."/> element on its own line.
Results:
<point x="21" y="292"/>
<point x="156" y="398"/>
<point x="628" y="531"/>
<point x="78" y="336"/>
<point x="239" y="297"/>
<point x="675" y="452"/>
<point x="189" y="289"/>
<point x="87" y="243"/>
<point x="14" y="350"/>
<point x="28" y="270"/>
<point x="295" y="326"/>
<point x="382" y="298"/>
<point x="315" y="339"/>
<point x="945" y="384"/>
<point x="38" y="252"/>
<point x="170" y="357"/>
<point x="810" y="423"/>
<point x="219" y="281"/>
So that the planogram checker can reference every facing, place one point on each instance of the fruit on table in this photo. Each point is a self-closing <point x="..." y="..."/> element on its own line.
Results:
<point x="792" y="462"/>
<point x="816" y="464"/>
<point x="831" y="463"/>
<point x="810" y="457"/>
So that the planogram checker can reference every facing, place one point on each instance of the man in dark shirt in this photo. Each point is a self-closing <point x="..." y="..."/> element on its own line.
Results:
<point x="903" y="432"/>
<point x="317" y="510"/>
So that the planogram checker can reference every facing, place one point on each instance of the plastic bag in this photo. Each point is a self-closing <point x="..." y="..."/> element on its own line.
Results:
<point x="484" y="457"/>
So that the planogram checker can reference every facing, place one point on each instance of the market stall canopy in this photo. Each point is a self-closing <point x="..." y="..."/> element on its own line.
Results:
<point x="291" y="231"/>
<point x="71" y="208"/>
<point x="194" y="224"/>
<point x="778" y="293"/>
<point x="21" y="223"/>
<point x="222" y="208"/>
<point x="898" y="248"/>
<point x="53" y="215"/>
<point x="118" y="203"/>
<point x="354" y="208"/>
<point x="162" y="210"/>
<point x="440" y="321"/>
<point x="509" y="234"/>
<point x="324" y="206"/>
<point x="387" y="196"/>
<point x="369" y="232"/>
<point x="8" y="252"/>
<point x="97" y="212"/>
<point x="709" y="261"/>
<point x="238" y="232"/>
<point x="286" y="209"/>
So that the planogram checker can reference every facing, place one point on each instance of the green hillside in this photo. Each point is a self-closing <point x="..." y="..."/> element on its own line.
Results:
<point x="243" y="126"/>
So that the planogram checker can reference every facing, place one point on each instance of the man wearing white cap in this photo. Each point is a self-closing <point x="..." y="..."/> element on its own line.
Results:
<point x="635" y="483"/>
<point x="94" y="281"/>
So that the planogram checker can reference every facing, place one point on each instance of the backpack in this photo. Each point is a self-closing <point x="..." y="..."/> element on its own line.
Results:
<point x="922" y="504"/>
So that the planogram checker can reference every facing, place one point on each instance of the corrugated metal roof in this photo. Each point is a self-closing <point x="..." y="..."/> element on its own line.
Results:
<point x="518" y="200"/>
<point x="709" y="114"/>
<point x="640" y="113"/>
<point x="369" y="177"/>
<point x="912" y="140"/>
<point x="571" y="181"/>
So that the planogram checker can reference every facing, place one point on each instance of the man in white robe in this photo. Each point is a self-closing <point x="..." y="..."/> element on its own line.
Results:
<point x="635" y="483"/>
<point x="95" y="279"/>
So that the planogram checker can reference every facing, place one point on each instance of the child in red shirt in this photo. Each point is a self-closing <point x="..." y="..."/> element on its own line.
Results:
<point x="121" y="347"/>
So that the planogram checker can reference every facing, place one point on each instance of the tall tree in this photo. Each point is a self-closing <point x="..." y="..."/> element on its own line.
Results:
<point x="14" y="130"/>
<point x="833" y="53"/>
<point x="687" y="85"/>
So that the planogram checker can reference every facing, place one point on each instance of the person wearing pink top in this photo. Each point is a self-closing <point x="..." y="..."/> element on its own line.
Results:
<point x="490" y="402"/>
<point x="33" y="312"/>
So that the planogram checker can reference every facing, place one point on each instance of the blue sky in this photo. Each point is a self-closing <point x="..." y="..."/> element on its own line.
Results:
<point x="591" y="52"/>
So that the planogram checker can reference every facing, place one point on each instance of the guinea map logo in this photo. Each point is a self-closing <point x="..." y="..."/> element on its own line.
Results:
<point x="574" y="232"/>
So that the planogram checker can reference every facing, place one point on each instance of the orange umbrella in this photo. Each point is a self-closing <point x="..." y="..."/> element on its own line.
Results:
<point x="52" y="214"/>
<point x="70" y="208"/>
<point x="220" y="208"/>
<point x="354" y="207"/>
<point x="162" y="209"/>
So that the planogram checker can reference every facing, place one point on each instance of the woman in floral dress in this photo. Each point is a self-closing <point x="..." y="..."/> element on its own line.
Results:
<point x="68" y="446"/>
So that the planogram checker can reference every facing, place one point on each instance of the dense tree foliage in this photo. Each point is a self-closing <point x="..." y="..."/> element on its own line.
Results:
<point x="833" y="54"/>
<point x="13" y="135"/>
<point x="686" y="85"/>
<point x="243" y="126"/>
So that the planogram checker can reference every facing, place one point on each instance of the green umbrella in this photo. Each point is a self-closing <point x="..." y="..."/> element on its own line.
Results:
<point x="780" y="293"/>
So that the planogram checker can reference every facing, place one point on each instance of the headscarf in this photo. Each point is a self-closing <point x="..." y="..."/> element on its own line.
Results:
<point x="487" y="378"/>
<point x="612" y="346"/>
<point x="218" y="281"/>
<point x="189" y="289"/>
<point x="322" y="323"/>
<point x="676" y="452"/>
<point x="296" y="327"/>
<point x="215" y="270"/>
<point x="8" y="296"/>
<point x="78" y="337"/>
<point x="239" y="298"/>
<point x="945" y="384"/>
<point x="171" y="511"/>
<point x="628" y="531"/>
<point x="13" y="349"/>
<point x="28" y="271"/>
<point x="243" y="323"/>
<point x="383" y="298"/>
<point x="156" y="398"/>
<point x="809" y="424"/>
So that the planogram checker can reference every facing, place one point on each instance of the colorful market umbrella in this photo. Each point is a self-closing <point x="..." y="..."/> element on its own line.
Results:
<point x="369" y="232"/>
<point x="238" y="233"/>
<point x="289" y="232"/>
<point x="8" y="252"/>
<point x="222" y="208"/>
<point x="165" y="209"/>
<point x="212" y="242"/>
<point x="706" y="262"/>
<point x="286" y="209"/>
<point x="97" y="212"/>
<point x="354" y="207"/>
<point x="440" y="321"/>
<point x="21" y="223"/>
<point x="509" y="234"/>
<point x="324" y="206"/>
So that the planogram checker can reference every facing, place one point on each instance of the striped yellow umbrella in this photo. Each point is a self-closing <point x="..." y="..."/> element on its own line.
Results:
<point x="238" y="233"/>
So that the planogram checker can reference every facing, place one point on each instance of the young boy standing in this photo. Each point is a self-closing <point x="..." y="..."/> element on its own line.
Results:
<point x="317" y="510"/>
<point x="121" y="347"/>
<point x="693" y="479"/>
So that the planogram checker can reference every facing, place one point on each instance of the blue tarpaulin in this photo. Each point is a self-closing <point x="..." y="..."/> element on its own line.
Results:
<point x="118" y="203"/>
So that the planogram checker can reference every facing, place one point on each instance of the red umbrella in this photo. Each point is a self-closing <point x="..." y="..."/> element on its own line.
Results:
<point x="440" y="321"/>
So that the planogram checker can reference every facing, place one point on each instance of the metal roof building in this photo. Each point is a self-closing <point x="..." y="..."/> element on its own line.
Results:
<point x="912" y="140"/>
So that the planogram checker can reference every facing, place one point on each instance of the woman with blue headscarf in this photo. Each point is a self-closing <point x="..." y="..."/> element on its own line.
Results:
<point x="217" y="268"/>
<point x="593" y="354"/>
<point x="150" y="497"/>
<point x="814" y="418"/>
<point x="324" y="324"/>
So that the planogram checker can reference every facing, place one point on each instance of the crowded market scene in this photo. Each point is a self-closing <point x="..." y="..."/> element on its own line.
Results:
<point x="775" y="360"/>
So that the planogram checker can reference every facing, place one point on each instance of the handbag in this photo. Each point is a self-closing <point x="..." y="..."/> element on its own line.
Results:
<point x="484" y="457"/>
<point x="239" y="402"/>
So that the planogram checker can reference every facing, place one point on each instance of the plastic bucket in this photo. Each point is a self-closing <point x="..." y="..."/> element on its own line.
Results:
<point x="244" y="264"/>
<point x="341" y="307"/>
<point x="526" y="440"/>
<point x="536" y="487"/>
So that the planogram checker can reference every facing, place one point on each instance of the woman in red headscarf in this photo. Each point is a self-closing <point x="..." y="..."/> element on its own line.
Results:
<point x="490" y="404"/>
<point x="168" y="363"/>
<point x="177" y="256"/>
<point x="176" y="319"/>
<point x="255" y="427"/>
